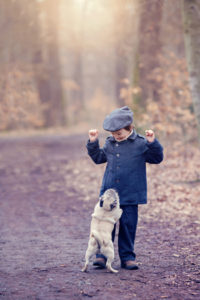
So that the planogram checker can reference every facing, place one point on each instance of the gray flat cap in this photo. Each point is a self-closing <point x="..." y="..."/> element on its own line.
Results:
<point x="118" y="119"/>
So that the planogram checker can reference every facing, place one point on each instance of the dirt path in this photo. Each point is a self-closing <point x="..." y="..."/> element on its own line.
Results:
<point x="48" y="188"/>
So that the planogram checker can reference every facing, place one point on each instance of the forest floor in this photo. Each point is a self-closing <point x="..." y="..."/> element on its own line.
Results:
<point x="48" y="189"/>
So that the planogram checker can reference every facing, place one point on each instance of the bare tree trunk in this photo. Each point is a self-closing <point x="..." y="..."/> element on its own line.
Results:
<point x="191" y="18"/>
<point x="47" y="68"/>
<point x="120" y="51"/>
<point x="72" y="37"/>
<point x="149" y="48"/>
<point x="125" y="23"/>
<point x="56" y="116"/>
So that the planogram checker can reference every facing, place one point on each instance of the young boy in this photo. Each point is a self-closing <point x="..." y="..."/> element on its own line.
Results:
<point x="126" y="154"/>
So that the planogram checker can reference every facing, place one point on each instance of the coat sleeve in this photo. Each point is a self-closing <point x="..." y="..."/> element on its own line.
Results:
<point x="154" y="152"/>
<point x="96" y="153"/>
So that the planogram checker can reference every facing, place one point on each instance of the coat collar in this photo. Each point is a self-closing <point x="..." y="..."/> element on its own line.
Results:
<point x="131" y="137"/>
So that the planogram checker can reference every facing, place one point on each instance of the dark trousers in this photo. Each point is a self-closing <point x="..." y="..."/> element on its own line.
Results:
<point x="127" y="232"/>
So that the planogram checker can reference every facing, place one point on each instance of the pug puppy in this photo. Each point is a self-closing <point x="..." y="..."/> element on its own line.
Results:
<point x="106" y="214"/>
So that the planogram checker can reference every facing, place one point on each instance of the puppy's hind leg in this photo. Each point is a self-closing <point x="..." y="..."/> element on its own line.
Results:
<point x="109" y="253"/>
<point x="109" y="267"/>
<point x="85" y="267"/>
<point x="91" y="250"/>
<point x="88" y="255"/>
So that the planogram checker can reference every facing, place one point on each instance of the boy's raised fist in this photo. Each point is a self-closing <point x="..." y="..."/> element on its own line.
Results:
<point x="150" y="135"/>
<point x="93" y="135"/>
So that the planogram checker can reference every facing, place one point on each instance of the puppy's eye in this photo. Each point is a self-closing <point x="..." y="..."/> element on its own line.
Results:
<point x="111" y="206"/>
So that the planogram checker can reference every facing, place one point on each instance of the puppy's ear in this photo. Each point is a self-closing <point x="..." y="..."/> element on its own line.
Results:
<point x="101" y="201"/>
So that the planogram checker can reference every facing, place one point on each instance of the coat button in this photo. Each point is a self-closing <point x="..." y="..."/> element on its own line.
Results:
<point x="117" y="154"/>
<point x="116" y="145"/>
<point x="117" y="181"/>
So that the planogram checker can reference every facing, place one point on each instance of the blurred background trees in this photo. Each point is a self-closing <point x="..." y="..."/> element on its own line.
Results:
<point x="70" y="62"/>
<point x="191" y="17"/>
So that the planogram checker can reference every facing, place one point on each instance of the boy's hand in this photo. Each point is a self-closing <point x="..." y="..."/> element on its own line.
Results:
<point x="93" y="135"/>
<point x="150" y="135"/>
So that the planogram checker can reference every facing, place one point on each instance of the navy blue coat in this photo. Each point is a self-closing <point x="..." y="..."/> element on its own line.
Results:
<point x="126" y="165"/>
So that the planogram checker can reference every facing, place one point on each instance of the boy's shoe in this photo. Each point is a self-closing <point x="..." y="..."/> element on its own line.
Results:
<point x="100" y="262"/>
<point x="129" y="265"/>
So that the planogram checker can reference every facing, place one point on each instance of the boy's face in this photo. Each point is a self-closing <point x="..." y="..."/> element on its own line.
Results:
<point x="120" y="134"/>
